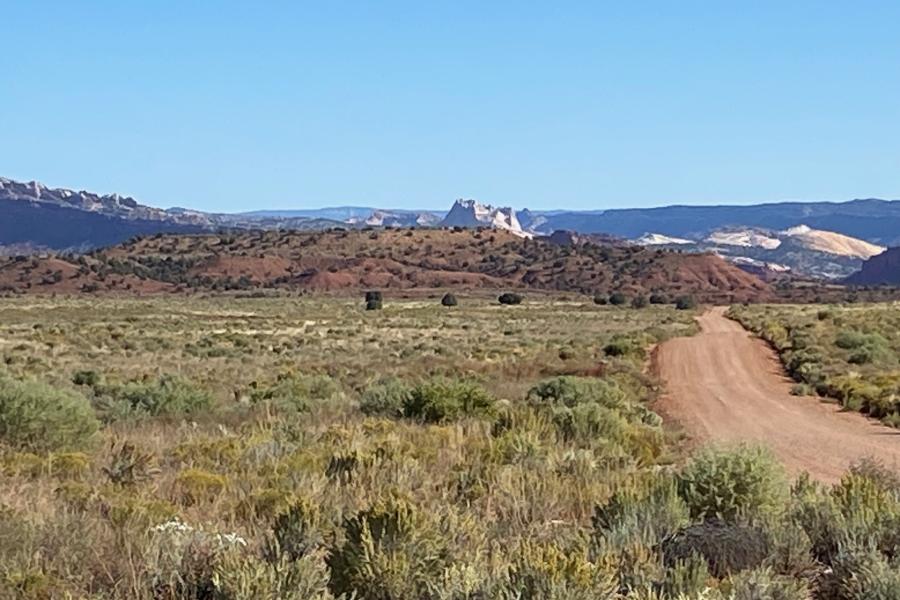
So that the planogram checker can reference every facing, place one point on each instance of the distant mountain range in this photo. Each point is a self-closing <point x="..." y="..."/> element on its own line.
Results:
<point x="872" y="220"/>
<point x="37" y="217"/>
<point x="823" y="239"/>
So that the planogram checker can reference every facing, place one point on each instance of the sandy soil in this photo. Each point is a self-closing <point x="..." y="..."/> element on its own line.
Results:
<point x="724" y="385"/>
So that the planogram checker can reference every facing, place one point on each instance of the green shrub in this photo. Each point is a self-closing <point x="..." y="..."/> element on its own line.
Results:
<point x="35" y="416"/>
<point x="865" y="348"/>
<point x="764" y="584"/>
<point x="862" y="356"/>
<point x="589" y="421"/>
<point x="850" y="340"/>
<point x="687" y="578"/>
<point x="884" y="478"/>
<point x="726" y="484"/>
<point x="298" y="393"/>
<point x="296" y="532"/>
<point x="659" y="299"/>
<point x="624" y="345"/>
<point x="639" y="302"/>
<point x="644" y="512"/>
<point x="387" y="398"/>
<point x="802" y="389"/>
<point x="548" y="571"/>
<point x="861" y="574"/>
<point x="442" y="400"/>
<point x="449" y="300"/>
<point x="88" y="378"/>
<point x="510" y="298"/>
<point x="166" y="396"/>
<point x="601" y="300"/>
<point x="571" y="391"/>
<point x="241" y="576"/>
<point x="193" y="486"/>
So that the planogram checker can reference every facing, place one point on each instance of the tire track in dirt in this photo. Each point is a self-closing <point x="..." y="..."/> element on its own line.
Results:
<point x="724" y="385"/>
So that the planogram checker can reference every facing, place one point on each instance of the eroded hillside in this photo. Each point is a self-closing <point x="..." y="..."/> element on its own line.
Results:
<point x="389" y="259"/>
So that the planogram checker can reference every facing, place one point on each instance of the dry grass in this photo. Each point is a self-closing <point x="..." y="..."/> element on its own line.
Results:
<point x="254" y="473"/>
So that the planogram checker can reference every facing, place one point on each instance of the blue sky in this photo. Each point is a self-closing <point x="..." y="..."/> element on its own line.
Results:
<point x="584" y="105"/>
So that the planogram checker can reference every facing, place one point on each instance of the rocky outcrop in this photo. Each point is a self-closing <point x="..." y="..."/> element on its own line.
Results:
<point x="832" y="242"/>
<point x="473" y="214"/>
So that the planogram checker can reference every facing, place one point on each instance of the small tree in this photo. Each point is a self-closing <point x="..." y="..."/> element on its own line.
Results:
<point x="449" y="300"/>
<point x="374" y="300"/>
<point x="509" y="298"/>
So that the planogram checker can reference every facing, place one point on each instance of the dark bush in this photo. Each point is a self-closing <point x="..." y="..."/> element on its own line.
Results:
<point x="510" y="298"/>
<point x="727" y="548"/>
<point x="374" y="300"/>
<point x="685" y="303"/>
<point x="601" y="300"/>
<point x="623" y="345"/>
<point x="639" y="302"/>
<point x="659" y="299"/>
<point x="88" y="378"/>
<point x="449" y="300"/>
<point x="618" y="299"/>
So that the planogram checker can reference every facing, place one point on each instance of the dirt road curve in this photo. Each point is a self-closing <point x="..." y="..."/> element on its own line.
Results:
<point x="725" y="385"/>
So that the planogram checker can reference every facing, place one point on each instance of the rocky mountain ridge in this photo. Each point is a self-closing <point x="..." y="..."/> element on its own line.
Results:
<point x="882" y="269"/>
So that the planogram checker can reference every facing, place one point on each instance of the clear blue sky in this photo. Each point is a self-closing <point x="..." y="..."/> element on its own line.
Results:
<point x="585" y="105"/>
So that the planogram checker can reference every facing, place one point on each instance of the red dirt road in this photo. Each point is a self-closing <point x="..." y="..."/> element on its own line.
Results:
<point x="724" y="385"/>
